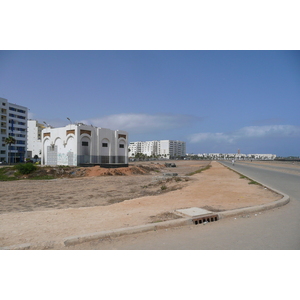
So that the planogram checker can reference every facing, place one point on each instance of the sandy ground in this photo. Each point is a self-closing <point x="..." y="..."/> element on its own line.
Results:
<point x="40" y="212"/>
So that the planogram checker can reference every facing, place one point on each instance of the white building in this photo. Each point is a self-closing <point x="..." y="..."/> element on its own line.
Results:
<point x="134" y="148"/>
<point x="164" y="148"/>
<point x="34" y="138"/>
<point x="13" y="119"/>
<point x="78" y="144"/>
<point x="171" y="148"/>
<point x="262" y="156"/>
<point x="237" y="156"/>
<point x="149" y="148"/>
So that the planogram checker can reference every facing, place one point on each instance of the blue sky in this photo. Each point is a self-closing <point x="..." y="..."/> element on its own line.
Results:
<point x="216" y="101"/>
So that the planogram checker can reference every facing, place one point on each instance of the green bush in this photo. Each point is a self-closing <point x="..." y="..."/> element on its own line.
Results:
<point x="26" y="168"/>
<point x="4" y="174"/>
<point x="163" y="187"/>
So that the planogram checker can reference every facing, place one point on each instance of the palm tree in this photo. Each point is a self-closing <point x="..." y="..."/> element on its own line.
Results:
<point x="8" y="141"/>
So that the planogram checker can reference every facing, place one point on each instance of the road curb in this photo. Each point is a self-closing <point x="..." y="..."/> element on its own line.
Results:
<point x="17" y="247"/>
<point x="247" y="210"/>
<point x="74" y="240"/>
<point x="252" y="209"/>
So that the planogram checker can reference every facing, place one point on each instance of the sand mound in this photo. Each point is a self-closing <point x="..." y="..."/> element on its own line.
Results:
<point x="131" y="170"/>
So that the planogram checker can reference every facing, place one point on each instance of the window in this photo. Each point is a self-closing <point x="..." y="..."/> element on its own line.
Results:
<point x="104" y="145"/>
<point x="121" y="146"/>
<point x="85" y="143"/>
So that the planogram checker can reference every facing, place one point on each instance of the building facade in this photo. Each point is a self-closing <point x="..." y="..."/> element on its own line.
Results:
<point x="163" y="148"/>
<point x="171" y="148"/>
<point x="134" y="148"/>
<point x="80" y="144"/>
<point x="13" y="119"/>
<point x="34" y="139"/>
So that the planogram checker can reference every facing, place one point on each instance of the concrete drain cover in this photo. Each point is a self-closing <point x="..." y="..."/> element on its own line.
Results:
<point x="194" y="211"/>
<point x="199" y="215"/>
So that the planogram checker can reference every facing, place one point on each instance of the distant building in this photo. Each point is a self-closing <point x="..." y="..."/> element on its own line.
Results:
<point x="78" y="144"/>
<point x="237" y="156"/>
<point x="262" y="156"/>
<point x="163" y="148"/>
<point x="13" y="119"/>
<point x="34" y="139"/>
<point x="149" y="148"/>
<point x="134" y="148"/>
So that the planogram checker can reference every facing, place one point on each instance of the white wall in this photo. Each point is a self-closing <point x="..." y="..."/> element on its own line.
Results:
<point x="62" y="143"/>
<point x="34" y="143"/>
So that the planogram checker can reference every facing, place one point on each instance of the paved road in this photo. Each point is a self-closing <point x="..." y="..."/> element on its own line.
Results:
<point x="275" y="229"/>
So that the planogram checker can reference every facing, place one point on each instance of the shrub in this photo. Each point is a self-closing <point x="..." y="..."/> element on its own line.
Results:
<point x="7" y="174"/>
<point x="26" y="168"/>
<point x="253" y="182"/>
<point x="163" y="187"/>
<point x="199" y="171"/>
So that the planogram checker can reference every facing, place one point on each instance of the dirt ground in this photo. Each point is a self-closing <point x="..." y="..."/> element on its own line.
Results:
<point x="92" y="186"/>
<point x="40" y="212"/>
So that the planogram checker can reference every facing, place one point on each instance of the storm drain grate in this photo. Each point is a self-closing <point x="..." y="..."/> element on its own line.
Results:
<point x="206" y="219"/>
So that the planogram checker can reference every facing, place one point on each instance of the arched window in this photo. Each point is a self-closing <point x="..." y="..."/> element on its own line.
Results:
<point x="85" y="150"/>
<point x="122" y="151"/>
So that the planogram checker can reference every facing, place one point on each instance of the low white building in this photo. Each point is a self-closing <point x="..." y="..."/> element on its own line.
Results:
<point x="262" y="156"/>
<point x="237" y="156"/>
<point x="79" y="144"/>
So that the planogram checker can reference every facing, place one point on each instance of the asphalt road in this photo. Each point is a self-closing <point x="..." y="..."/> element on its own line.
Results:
<point x="276" y="229"/>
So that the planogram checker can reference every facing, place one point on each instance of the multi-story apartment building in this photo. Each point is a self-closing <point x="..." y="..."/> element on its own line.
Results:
<point x="164" y="148"/>
<point x="171" y="148"/>
<point x="13" y="119"/>
<point x="149" y="148"/>
<point x="34" y="138"/>
<point x="134" y="148"/>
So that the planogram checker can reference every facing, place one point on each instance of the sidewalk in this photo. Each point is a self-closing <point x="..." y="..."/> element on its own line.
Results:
<point x="217" y="189"/>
